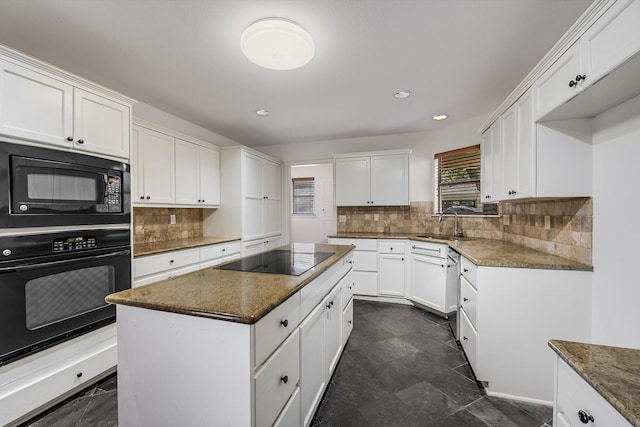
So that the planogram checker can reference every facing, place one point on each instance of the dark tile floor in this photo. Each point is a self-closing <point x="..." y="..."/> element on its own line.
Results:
<point x="401" y="367"/>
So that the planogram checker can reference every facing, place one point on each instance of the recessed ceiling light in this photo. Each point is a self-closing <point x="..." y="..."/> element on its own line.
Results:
<point x="277" y="44"/>
<point x="439" y="116"/>
<point x="402" y="94"/>
<point x="263" y="112"/>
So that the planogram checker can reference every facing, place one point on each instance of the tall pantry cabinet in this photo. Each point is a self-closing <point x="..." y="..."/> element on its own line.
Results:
<point x="251" y="200"/>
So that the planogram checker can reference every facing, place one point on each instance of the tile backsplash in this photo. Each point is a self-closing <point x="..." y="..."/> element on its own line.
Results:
<point x="154" y="224"/>
<point x="566" y="233"/>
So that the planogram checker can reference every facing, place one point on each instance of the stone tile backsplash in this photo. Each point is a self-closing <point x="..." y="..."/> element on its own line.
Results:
<point x="154" y="224"/>
<point x="569" y="221"/>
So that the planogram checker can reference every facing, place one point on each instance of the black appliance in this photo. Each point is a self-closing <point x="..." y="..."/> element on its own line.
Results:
<point x="278" y="261"/>
<point x="44" y="187"/>
<point x="53" y="286"/>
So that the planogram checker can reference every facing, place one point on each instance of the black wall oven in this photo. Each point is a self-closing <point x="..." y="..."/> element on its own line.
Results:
<point x="53" y="286"/>
<point x="44" y="187"/>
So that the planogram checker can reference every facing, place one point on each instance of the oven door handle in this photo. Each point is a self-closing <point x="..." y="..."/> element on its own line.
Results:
<point x="26" y="267"/>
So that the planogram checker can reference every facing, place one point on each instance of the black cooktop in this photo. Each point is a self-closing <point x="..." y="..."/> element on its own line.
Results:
<point x="278" y="261"/>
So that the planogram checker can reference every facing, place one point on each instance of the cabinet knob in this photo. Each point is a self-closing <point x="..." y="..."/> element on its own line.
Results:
<point x="284" y="323"/>
<point x="464" y="338"/>
<point x="284" y="379"/>
<point x="81" y="141"/>
<point x="202" y="200"/>
<point x="585" y="417"/>
<point x="372" y="202"/>
<point x="141" y="197"/>
<point x="581" y="77"/>
<point x="465" y="299"/>
<point x="350" y="321"/>
<point x="402" y="259"/>
<point x="572" y="83"/>
<point x="328" y="305"/>
<point x="170" y="261"/>
<point x="224" y="249"/>
<point x="79" y="374"/>
<point x="148" y="197"/>
<point x="69" y="138"/>
<point x="199" y="201"/>
<point x="465" y="270"/>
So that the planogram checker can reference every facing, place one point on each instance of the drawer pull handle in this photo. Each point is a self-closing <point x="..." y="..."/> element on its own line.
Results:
<point x="585" y="417"/>
<point x="284" y="379"/>
<point x="464" y="338"/>
<point x="465" y="299"/>
<point x="79" y="374"/>
<point x="284" y="323"/>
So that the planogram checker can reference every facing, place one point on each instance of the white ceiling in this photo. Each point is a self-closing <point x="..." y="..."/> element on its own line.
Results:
<point x="460" y="57"/>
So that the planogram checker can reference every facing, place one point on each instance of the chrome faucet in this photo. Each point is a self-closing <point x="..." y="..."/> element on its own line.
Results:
<point x="456" y="231"/>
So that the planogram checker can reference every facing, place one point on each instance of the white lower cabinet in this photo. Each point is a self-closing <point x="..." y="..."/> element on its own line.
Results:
<point x="153" y="268"/>
<point x="276" y="380"/>
<point x="347" y="322"/>
<point x="312" y="354"/>
<point x="253" y="247"/>
<point x="576" y="399"/>
<point x="392" y="266"/>
<point x="290" y="415"/>
<point x="334" y="329"/>
<point x="429" y="282"/>
<point x="365" y="264"/>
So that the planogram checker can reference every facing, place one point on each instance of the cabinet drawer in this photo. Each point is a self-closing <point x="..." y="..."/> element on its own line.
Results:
<point x="276" y="381"/>
<point x="360" y="244"/>
<point x="575" y="394"/>
<point x="215" y="254"/>
<point x="468" y="339"/>
<point x="162" y="262"/>
<point x="469" y="271"/>
<point x="347" y="290"/>
<point x="469" y="301"/>
<point x="365" y="261"/>
<point x="347" y="322"/>
<point x="391" y="247"/>
<point x="290" y="415"/>
<point x="272" y="329"/>
<point x="429" y="249"/>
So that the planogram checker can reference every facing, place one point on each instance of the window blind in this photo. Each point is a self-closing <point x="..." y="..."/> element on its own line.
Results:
<point x="303" y="195"/>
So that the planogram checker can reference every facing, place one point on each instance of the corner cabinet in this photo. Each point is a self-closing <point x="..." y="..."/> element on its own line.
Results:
<point x="52" y="108"/>
<point x="170" y="169"/>
<point x="372" y="179"/>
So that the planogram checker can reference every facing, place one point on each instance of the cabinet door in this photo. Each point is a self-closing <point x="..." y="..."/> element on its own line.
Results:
<point x="271" y="180"/>
<point x="486" y="147"/>
<point x="347" y="322"/>
<point x="187" y="173"/>
<point x="333" y="331"/>
<point x="353" y="181"/>
<point x="158" y="167"/>
<point x="365" y="283"/>
<point x="390" y="180"/>
<point x="34" y="106"/>
<point x="428" y="281"/>
<point x="313" y="379"/>
<point x="253" y="202"/>
<point x="100" y="125"/>
<point x="552" y="88"/>
<point x="391" y="274"/>
<point x="525" y="176"/>
<point x="613" y="39"/>
<point x="508" y="137"/>
<point x="209" y="171"/>
<point x="252" y="176"/>
<point x="137" y="175"/>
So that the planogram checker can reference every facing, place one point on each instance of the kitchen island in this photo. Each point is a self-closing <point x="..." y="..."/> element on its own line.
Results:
<point x="219" y="347"/>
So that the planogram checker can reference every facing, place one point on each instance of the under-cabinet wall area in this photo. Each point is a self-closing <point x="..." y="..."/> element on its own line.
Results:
<point x="154" y="224"/>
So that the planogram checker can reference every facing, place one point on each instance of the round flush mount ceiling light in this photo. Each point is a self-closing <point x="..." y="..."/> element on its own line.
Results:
<point x="262" y="112"/>
<point x="403" y="94"/>
<point x="439" y="116"/>
<point x="277" y="44"/>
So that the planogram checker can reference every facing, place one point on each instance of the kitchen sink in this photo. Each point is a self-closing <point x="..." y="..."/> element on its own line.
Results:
<point x="441" y="237"/>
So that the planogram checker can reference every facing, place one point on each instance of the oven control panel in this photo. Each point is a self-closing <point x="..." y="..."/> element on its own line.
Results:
<point x="74" y="244"/>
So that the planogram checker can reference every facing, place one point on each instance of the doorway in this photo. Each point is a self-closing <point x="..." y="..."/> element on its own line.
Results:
<point x="316" y="225"/>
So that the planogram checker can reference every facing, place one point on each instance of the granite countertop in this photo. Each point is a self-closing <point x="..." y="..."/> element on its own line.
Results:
<point x="486" y="252"/>
<point x="234" y="296"/>
<point x="614" y="372"/>
<point x="142" y="249"/>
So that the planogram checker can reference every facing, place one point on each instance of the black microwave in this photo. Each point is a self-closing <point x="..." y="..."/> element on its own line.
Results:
<point x="45" y="187"/>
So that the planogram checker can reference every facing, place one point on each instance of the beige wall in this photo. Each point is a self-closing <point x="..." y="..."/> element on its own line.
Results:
<point x="153" y="224"/>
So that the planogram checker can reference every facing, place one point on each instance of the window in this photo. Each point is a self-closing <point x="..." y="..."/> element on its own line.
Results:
<point x="457" y="183"/>
<point x="303" y="195"/>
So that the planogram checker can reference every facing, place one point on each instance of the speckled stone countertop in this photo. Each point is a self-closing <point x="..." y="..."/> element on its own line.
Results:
<point x="142" y="249"/>
<point x="614" y="372"/>
<point x="234" y="296"/>
<point x="486" y="252"/>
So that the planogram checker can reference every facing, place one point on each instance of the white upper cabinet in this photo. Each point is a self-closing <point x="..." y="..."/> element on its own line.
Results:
<point x="153" y="167"/>
<point x="100" y="125"/>
<point x="262" y="200"/>
<point x="559" y="83"/>
<point x="197" y="174"/>
<point x="519" y="146"/>
<point x="35" y="106"/>
<point x="372" y="179"/>
<point x="42" y="107"/>
<point x="491" y="150"/>
<point x="612" y="40"/>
